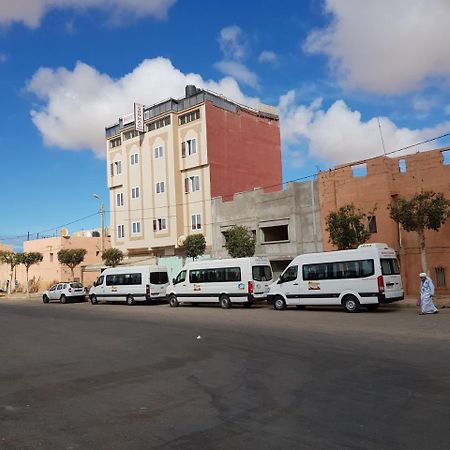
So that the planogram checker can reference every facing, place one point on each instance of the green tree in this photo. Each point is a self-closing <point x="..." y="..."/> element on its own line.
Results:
<point x="194" y="246"/>
<point x="9" y="258"/>
<point x="28" y="259"/>
<point x="347" y="228"/>
<point x="71" y="257"/>
<point x="425" y="211"/>
<point x="112" y="257"/>
<point x="240" y="242"/>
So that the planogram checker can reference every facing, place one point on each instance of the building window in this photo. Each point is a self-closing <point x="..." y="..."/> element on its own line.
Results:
<point x="160" y="187"/>
<point x="119" y="199"/>
<point x="440" y="277"/>
<point x="134" y="159"/>
<point x="189" y="117"/>
<point x="196" y="221"/>
<point x="136" y="227"/>
<point x="446" y="157"/>
<point x="159" y="224"/>
<point x="188" y="147"/>
<point x="115" y="142"/>
<point x="51" y="257"/>
<point x="359" y="170"/>
<point x="191" y="184"/>
<point x="118" y="167"/>
<point x="158" y="123"/>
<point x="135" y="192"/>
<point x="278" y="233"/>
<point x="372" y="224"/>
<point x="159" y="152"/>
<point x="402" y="165"/>
<point x="120" y="231"/>
<point x="130" y="134"/>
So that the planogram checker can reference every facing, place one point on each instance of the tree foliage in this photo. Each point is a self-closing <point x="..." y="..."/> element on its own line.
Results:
<point x="346" y="227"/>
<point x="71" y="257"/>
<point x="28" y="259"/>
<point x="9" y="258"/>
<point x="240" y="242"/>
<point x="195" y="245"/>
<point x="112" y="257"/>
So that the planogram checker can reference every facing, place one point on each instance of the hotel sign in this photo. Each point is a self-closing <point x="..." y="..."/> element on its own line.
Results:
<point x="139" y="117"/>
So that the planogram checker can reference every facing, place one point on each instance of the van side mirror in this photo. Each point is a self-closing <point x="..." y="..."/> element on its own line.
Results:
<point x="174" y="281"/>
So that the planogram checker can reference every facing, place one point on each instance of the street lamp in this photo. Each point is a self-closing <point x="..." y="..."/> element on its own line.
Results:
<point x="102" y="223"/>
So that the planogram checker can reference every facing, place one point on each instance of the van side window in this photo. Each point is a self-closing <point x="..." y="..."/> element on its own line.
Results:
<point x="290" y="274"/>
<point x="123" y="279"/>
<point x="216" y="275"/>
<point x="339" y="270"/>
<point x="181" y="277"/>
<point x="389" y="266"/>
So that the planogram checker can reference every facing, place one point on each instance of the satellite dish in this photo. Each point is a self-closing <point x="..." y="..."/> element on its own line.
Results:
<point x="64" y="232"/>
<point x="181" y="240"/>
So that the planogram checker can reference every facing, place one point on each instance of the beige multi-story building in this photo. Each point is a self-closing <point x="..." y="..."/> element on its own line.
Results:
<point x="193" y="149"/>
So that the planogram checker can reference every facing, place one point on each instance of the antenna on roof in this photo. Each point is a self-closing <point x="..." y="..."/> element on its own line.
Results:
<point x="381" y="135"/>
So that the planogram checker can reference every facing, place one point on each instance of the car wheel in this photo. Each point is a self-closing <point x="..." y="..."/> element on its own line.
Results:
<point x="45" y="299"/>
<point x="372" y="307"/>
<point x="279" y="303"/>
<point x="94" y="300"/>
<point x="173" y="301"/>
<point x="130" y="300"/>
<point x="63" y="299"/>
<point x="351" y="303"/>
<point x="225" y="301"/>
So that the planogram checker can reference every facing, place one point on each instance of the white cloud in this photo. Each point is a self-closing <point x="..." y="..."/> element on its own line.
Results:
<point x="268" y="56"/>
<point x="338" y="134"/>
<point x="77" y="104"/>
<point x="233" y="43"/>
<point x="238" y="71"/>
<point x="385" y="46"/>
<point x="31" y="12"/>
<point x="424" y="105"/>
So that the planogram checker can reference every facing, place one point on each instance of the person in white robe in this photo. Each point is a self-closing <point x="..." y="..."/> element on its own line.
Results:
<point x="426" y="295"/>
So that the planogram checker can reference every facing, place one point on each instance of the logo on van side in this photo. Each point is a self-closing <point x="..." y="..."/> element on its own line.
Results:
<point x="313" y="286"/>
<point x="241" y="286"/>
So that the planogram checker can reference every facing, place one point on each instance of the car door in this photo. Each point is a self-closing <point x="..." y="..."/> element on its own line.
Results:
<point x="52" y="292"/>
<point x="58" y="291"/>
<point x="288" y="285"/>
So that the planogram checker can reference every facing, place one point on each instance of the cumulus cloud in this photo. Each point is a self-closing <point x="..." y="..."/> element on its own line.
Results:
<point x="387" y="46"/>
<point x="339" y="134"/>
<point x="31" y="12"/>
<point x="76" y="105"/>
<point x="267" y="56"/>
<point x="238" y="71"/>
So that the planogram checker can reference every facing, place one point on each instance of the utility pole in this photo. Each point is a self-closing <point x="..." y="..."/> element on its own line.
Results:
<point x="102" y="223"/>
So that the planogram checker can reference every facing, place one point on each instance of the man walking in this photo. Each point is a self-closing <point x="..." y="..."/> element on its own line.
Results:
<point x="426" y="295"/>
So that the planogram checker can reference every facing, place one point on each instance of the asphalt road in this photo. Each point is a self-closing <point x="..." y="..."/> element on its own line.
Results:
<point x="79" y="376"/>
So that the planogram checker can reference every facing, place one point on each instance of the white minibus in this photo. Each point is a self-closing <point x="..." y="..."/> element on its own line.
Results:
<point x="130" y="284"/>
<point x="368" y="276"/>
<point x="227" y="281"/>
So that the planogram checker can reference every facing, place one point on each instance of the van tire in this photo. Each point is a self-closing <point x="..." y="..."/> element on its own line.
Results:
<point x="94" y="300"/>
<point x="279" y="304"/>
<point x="130" y="300"/>
<point x="173" y="301"/>
<point x="351" y="303"/>
<point x="45" y="299"/>
<point x="63" y="299"/>
<point x="372" y="307"/>
<point x="225" y="301"/>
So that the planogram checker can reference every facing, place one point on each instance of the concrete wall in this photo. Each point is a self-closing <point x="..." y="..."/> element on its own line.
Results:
<point x="385" y="181"/>
<point x="297" y="207"/>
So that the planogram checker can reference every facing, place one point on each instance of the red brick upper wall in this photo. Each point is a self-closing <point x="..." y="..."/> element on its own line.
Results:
<point x="244" y="152"/>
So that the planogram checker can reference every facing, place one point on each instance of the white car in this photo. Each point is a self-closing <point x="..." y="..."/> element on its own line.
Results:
<point x="65" y="292"/>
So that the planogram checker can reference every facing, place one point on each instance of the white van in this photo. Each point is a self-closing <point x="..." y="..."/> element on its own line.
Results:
<point x="227" y="281"/>
<point x="368" y="275"/>
<point x="130" y="284"/>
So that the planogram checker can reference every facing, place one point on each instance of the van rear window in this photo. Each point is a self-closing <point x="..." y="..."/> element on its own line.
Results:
<point x="389" y="266"/>
<point x="261" y="273"/>
<point x="159" y="278"/>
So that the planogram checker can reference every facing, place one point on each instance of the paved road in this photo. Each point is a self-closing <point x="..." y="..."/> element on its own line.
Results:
<point x="79" y="376"/>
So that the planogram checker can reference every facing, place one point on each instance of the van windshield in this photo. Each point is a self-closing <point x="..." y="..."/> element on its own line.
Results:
<point x="389" y="266"/>
<point x="261" y="273"/>
<point x="159" y="278"/>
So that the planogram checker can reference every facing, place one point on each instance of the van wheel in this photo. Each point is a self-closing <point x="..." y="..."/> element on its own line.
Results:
<point x="351" y="303"/>
<point x="225" y="301"/>
<point x="279" y="303"/>
<point x="63" y="299"/>
<point x="45" y="299"/>
<point x="130" y="300"/>
<point x="173" y="301"/>
<point x="373" y="307"/>
<point x="94" y="300"/>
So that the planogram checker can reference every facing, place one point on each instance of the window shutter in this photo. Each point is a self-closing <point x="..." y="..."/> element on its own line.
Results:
<point x="186" y="185"/>
<point x="183" y="149"/>
<point x="111" y="167"/>
<point x="199" y="222"/>
<point x="155" y="225"/>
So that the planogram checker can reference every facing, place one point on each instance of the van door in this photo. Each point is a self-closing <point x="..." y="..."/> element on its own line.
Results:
<point x="158" y="283"/>
<point x="392" y="279"/>
<point x="288" y="285"/>
<point x="99" y="289"/>
<point x="262" y="279"/>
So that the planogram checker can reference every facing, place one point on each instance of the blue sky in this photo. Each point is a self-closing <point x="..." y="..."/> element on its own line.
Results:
<point x="332" y="67"/>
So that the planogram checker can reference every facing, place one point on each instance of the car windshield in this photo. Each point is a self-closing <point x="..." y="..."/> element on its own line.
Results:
<point x="76" y="285"/>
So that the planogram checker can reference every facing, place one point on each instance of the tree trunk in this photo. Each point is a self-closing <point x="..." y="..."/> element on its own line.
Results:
<point x="10" y="281"/>
<point x="423" y="252"/>
<point x="72" y="273"/>
<point x="28" y="284"/>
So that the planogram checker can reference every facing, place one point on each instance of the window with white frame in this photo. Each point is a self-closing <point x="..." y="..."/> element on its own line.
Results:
<point x="118" y="167"/>
<point x="119" y="199"/>
<point x="159" y="224"/>
<point x="192" y="184"/>
<point x="159" y="152"/>
<point x="134" y="159"/>
<point x="135" y="192"/>
<point x="120" y="231"/>
<point x="188" y="147"/>
<point x="160" y="187"/>
<point x="196" y="220"/>
<point x="136" y="227"/>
